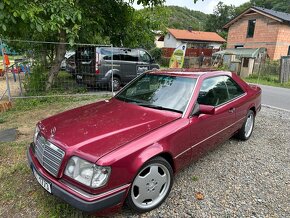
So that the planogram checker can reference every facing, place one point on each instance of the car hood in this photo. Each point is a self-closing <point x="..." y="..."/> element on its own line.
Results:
<point x="96" y="129"/>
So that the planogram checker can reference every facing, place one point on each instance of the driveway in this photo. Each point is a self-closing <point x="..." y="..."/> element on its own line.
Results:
<point x="276" y="97"/>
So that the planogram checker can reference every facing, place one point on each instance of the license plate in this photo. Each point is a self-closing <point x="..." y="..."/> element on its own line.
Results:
<point x="79" y="77"/>
<point x="42" y="182"/>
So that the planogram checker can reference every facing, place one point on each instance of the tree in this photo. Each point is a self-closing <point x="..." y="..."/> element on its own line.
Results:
<point x="182" y="18"/>
<point x="221" y="15"/>
<point x="277" y="5"/>
<point x="66" y="21"/>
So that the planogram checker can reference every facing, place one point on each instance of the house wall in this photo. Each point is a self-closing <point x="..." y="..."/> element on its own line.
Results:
<point x="268" y="33"/>
<point x="159" y="44"/>
<point x="283" y="41"/>
<point x="215" y="45"/>
<point x="170" y="41"/>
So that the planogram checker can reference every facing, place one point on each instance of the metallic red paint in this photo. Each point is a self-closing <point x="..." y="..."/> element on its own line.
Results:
<point x="124" y="136"/>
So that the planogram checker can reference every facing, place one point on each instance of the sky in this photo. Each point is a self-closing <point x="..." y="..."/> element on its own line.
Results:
<point x="205" y="6"/>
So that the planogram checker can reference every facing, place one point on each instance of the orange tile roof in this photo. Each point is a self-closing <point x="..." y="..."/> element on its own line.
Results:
<point x="196" y="35"/>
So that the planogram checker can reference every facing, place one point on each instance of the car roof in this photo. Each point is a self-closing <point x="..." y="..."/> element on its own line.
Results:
<point x="190" y="72"/>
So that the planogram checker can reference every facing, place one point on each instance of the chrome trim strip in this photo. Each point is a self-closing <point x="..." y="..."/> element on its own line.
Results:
<point x="229" y="101"/>
<point x="48" y="155"/>
<point x="208" y="138"/>
<point x="92" y="196"/>
<point x="190" y="99"/>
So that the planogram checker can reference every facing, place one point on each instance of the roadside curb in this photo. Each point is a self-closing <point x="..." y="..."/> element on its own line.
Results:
<point x="277" y="108"/>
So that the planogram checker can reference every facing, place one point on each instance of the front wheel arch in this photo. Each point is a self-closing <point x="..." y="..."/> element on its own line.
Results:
<point x="245" y="132"/>
<point x="150" y="188"/>
<point x="155" y="150"/>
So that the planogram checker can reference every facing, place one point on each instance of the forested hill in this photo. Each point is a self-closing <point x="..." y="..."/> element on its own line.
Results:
<point x="182" y="18"/>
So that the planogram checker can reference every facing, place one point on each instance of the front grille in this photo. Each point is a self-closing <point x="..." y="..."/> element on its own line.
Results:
<point x="48" y="155"/>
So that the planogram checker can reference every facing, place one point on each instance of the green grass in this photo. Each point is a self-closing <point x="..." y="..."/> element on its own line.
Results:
<point x="26" y="104"/>
<point x="270" y="80"/>
<point x="20" y="192"/>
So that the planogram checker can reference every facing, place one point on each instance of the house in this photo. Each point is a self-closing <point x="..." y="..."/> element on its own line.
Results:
<point x="194" y="39"/>
<point x="258" y="27"/>
<point x="159" y="39"/>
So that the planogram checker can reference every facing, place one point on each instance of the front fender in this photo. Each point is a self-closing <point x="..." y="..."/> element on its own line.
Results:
<point x="145" y="155"/>
<point x="125" y="167"/>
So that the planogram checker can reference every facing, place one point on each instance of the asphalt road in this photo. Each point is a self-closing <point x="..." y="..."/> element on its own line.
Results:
<point x="276" y="97"/>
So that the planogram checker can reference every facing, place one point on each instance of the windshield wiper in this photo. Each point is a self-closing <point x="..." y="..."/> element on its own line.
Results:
<point x="160" y="107"/>
<point x="125" y="99"/>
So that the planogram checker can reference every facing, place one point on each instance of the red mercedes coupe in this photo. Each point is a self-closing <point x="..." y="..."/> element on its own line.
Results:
<point x="128" y="148"/>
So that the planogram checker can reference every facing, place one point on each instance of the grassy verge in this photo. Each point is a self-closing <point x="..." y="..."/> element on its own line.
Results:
<point x="270" y="80"/>
<point x="21" y="195"/>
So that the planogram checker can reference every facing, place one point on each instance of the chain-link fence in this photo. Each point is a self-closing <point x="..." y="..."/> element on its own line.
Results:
<point x="40" y="69"/>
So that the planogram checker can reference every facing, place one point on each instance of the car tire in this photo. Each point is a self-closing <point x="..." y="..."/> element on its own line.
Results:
<point x="151" y="186"/>
<point x="116" y="84"/>
<point x="247" y="129"/>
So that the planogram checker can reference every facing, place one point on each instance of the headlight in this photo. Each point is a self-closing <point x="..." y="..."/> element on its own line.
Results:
<point x="37" y="130"/>
<point x="87" y="173"/>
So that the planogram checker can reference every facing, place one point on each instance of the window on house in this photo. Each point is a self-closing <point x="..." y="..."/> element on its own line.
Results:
<point x="239" y="46"/>
<point x="251" y="28"/>
<point x="289" y="50"/>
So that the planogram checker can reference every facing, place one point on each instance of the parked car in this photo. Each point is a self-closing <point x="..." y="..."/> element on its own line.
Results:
<point x="128" y="148"/>
<point x="65" y="64"/>
<point x="94" y="65"/>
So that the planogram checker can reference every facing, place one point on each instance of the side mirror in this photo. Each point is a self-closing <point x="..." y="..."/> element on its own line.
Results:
<point x="206" y="109"/>
<point x="152" y="60"/>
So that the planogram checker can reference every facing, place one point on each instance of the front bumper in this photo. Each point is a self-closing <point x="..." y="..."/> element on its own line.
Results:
<point x="85" y="202"/>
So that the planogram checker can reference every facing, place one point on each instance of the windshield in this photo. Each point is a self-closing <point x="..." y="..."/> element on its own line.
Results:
<point x="163" y="92"/>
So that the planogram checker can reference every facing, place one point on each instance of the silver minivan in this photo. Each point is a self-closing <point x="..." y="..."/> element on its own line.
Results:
<point x="96" y="65"/>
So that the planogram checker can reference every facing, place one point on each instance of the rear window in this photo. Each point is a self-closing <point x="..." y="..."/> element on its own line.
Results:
<point x="85" y="53"/>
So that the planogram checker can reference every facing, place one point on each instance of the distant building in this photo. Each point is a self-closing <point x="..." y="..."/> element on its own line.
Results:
<point x="194" y="39"/>
<point x="258" y="27"/>
<point x="159" y="39"/>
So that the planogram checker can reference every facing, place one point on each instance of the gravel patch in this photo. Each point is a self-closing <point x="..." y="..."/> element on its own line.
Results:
<point x="237" y="179"/>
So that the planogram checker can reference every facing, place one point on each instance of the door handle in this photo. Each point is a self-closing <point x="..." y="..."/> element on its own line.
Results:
<point x="232" y="110"/>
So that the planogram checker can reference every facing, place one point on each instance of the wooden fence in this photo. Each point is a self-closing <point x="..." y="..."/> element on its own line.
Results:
<point x="285" y="69"/>
<point x="190" y="52"/>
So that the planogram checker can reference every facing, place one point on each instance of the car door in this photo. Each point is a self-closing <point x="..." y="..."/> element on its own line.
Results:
<point x="207" y="130"/>
<point x="144" y="62"/>
<point x="129" y="63"/>
<point x="237" y="96"/>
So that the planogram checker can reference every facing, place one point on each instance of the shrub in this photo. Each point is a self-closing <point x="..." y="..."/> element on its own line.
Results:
<point x="156" y="53"/>
<point x="35" y="82"/>
<point x="164" y="62"/>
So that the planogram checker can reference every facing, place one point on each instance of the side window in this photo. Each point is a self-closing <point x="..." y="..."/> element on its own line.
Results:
<point x="234" y="89"/>
<point x="106" y="54"/>
<point x="213" y="91"/>
<point x="130" y="55"/>
<point x="144" y="57"/>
